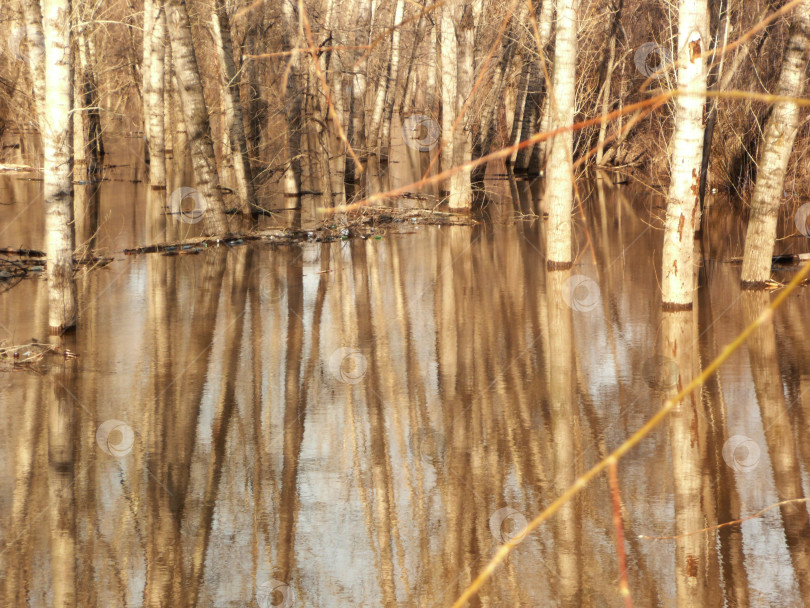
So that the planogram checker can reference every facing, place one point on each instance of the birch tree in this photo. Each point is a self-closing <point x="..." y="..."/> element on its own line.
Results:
<point x="460" y="187"/>
<point x="221" y="26"/>
<point x="36" y="53"/>
<point x="384" y="92"/>
<point x="780" y="133"/>
<point x="57" y="139"/>
<point x="156" y="107"/>
<point x="560" y="176"/>
<point x="195" y="114"/>
<point x="449" y="82"/>
<point x="677" y="277"/>
<point x="294" y="103"/>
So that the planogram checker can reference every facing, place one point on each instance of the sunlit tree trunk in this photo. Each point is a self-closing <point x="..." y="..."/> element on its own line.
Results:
<point x="57" y="137"/>
<point x="780" y="133"/>
<point x="146" y="78"/>
<point x="449" y="81"/>
<point x="460" y="187"/>
<point x="677" y="280"/>
<point x="294" y="103"/>
<point x="195" y="113"/>
<point x="156" y="108"/>
<point x="221" y="27"/>
<point x="36" y="54"/>
<point x="389" y="88"/>
<point x="560" y="177"/>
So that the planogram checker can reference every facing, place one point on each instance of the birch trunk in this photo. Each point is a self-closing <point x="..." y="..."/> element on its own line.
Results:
<point x="146" y="79"/>
<point x="195" y="114"/>
<point x="57" y="139"/>
<point x="233" y="107"/>
<point x="294" y="106"/>
<point x="460" y="186"/>
<point x="560" y="177"/>
<point x="384" y="91"/>
<point x="780" y="133"/>
<point x="686" y="156"/>
<point x="449" y="80"/>
<point x="157" y="135"/>
<point x="36" y="55"/>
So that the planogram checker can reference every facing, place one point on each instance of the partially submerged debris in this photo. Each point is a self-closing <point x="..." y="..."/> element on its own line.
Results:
<point x="365" y="223"/>
<point x="28" y="356"/>
<point x="18" y="264"/>
<point x="9" y="168"/>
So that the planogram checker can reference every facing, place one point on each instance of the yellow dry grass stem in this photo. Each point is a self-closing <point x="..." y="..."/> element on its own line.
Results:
<point x="631" y="442"/>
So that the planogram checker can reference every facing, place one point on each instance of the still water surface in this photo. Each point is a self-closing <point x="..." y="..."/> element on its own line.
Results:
<point x="363" y="422"/>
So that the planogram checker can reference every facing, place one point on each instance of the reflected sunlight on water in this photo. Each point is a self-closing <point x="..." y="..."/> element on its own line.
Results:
<point x="363" y="422"/>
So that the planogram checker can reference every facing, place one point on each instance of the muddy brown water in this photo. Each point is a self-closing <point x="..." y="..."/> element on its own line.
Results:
<point x="363" y="422"/>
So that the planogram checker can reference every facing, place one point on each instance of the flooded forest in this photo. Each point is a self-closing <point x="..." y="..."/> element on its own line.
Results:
<point x="403" y="303"/>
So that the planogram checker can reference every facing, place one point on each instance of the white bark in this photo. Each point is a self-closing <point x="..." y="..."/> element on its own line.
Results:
<point x="460" y="187"/>
<point x="560" y="178"/>
<point x="233" y="107"/>
<point x="449" y="80"/>
<point x="146" y="79"/>
<point x="195" y="114"/>
<point x="156" y="119"/>
<point x="677" y="278"/>
<point x="36" y="53"/>
<point x="390" y="79"/>
<point x="57" y="138"/>
<point x="294" y="107"/>
<point x="780" y="133"/>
